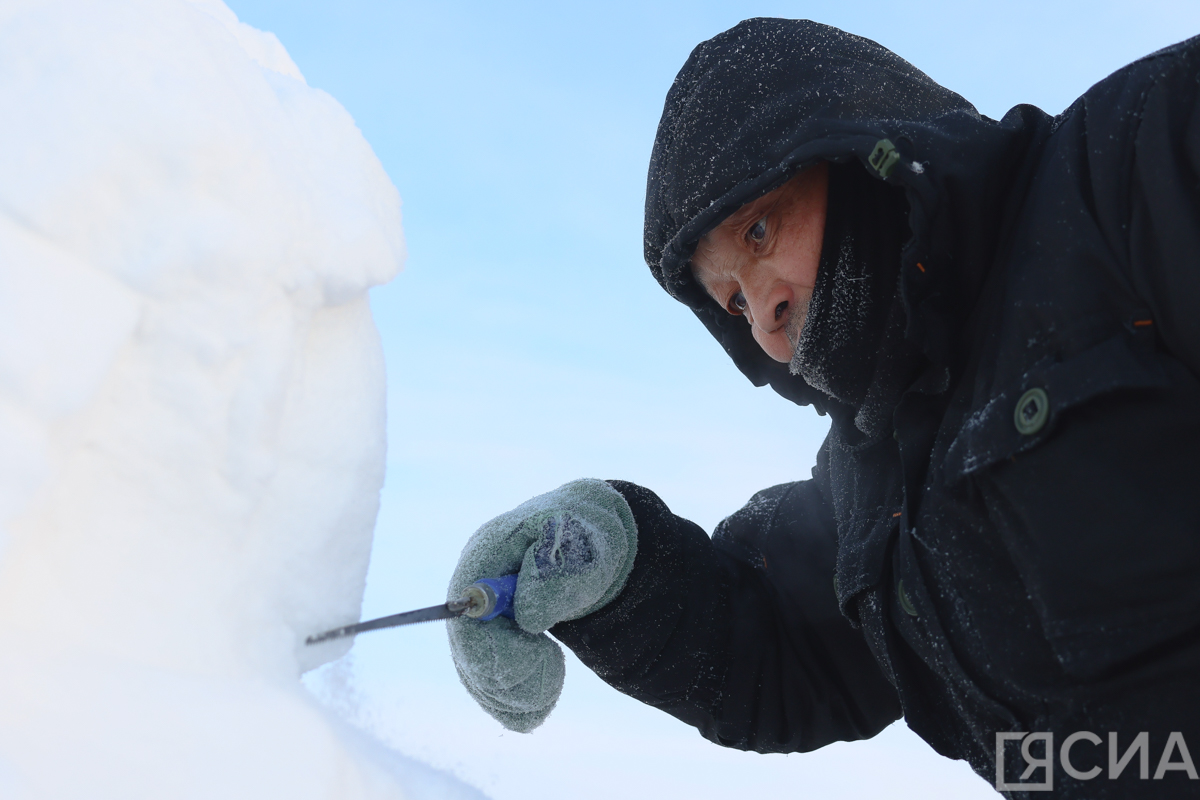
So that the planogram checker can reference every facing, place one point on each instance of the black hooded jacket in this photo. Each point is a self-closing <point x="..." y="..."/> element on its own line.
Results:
<point x="1008" y="541"/>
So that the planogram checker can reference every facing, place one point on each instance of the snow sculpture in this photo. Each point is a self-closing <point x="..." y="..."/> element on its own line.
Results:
<point x="191" y="408"/>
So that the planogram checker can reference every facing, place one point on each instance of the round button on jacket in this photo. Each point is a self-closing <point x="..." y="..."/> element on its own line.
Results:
<point x="1033" y="409"/>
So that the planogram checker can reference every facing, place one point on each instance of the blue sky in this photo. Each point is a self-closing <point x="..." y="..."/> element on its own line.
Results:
<point x="528" y="345"/>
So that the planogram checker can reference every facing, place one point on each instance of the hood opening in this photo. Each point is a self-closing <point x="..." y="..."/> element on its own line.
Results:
<point x="761" y="101"/>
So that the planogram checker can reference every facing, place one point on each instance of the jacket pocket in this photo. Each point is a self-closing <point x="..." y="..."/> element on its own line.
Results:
<point x="1025" y="414"/>
<point x="1090" y="490"/>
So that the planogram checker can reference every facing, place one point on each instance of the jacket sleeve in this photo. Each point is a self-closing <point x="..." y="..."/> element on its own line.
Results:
<point x="740" y="635"/>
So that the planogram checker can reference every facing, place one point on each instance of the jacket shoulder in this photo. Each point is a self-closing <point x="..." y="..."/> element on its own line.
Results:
<point x="1111" y="109"/>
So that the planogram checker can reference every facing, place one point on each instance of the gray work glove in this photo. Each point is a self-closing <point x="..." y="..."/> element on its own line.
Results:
<point x="572" y="548"/>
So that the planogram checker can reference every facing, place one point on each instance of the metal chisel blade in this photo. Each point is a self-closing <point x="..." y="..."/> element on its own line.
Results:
<point x="444" y="611"/>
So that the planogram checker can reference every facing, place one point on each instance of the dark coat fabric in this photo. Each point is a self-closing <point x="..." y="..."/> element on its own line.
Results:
<point x="1017" y="547"/>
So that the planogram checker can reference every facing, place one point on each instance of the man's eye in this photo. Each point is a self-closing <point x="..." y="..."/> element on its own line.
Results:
<point x="758" y="231"/>
<point x="736" y="304"/>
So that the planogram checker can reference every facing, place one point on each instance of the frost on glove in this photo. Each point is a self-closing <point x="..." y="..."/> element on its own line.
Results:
<point x="572" y="549"/>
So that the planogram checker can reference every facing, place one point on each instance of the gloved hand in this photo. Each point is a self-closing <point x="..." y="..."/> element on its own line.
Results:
<point x="572" y="548"/>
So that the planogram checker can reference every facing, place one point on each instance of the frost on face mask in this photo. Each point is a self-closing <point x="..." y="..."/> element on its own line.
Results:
<point x="856" y="313"/>
<point x="191" y="407"/>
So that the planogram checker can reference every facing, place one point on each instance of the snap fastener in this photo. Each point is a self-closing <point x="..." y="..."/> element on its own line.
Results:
<point x="905" y="603"/>
<point x="1033" y="409"/>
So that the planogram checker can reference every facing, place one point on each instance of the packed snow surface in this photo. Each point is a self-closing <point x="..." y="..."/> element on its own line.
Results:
<point x="191" y="408"/>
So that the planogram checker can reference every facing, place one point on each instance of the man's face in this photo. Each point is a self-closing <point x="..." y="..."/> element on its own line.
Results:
<point x="761" y="262"/>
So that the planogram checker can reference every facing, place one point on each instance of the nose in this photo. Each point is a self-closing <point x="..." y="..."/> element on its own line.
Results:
<point x="769" y="306"/>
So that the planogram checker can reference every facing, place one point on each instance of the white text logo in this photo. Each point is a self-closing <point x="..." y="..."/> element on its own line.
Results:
<point x="1038" y="775"/>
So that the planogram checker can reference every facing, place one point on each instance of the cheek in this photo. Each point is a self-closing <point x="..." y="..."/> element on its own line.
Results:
<point x="801" y="247"/>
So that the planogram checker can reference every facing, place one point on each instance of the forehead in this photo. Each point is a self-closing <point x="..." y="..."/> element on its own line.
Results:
<point x="713" y="259"/>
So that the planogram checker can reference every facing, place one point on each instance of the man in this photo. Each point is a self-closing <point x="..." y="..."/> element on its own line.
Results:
<point x="999" y="318"/>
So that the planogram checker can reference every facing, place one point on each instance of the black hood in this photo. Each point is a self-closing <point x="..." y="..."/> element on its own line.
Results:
<point x="761" y="101"/>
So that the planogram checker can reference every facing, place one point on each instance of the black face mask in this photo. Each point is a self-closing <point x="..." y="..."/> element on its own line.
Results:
<point x="852" y="345"/>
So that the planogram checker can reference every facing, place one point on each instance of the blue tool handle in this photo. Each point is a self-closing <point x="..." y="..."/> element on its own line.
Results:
<point x="504" y="588"/>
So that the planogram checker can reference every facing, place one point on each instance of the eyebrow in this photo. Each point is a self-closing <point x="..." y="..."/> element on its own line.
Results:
<point x="743" y="215"/>
<point x="754" y="210"/>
